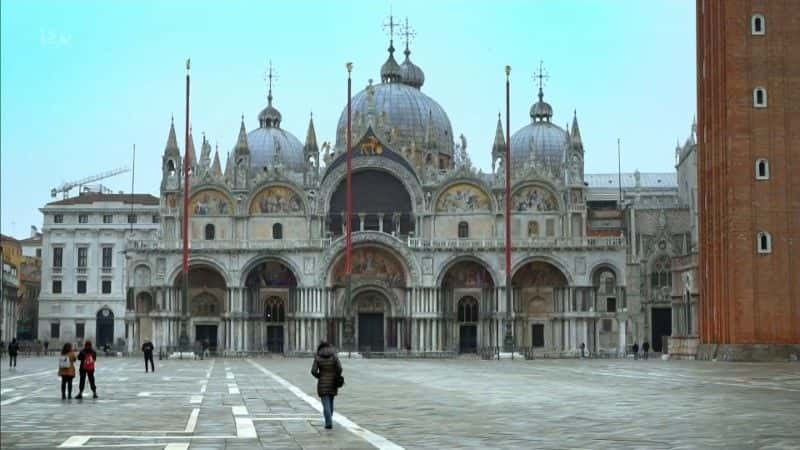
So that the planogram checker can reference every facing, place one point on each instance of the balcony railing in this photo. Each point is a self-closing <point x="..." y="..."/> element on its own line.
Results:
<point x="81" y="270"/>
<point x="106" y="270"/>
<point x="56" y="269"/>
<point x="275" y="244"/>
<point x="492" y="244"/>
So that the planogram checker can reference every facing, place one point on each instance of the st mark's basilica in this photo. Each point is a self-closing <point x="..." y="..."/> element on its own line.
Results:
<point x="591" y="264"/>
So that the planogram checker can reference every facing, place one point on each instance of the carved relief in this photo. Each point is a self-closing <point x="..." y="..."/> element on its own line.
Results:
<point x="210" y="203"/>
<point x="141" y="276"/>
<point x="534" y="198"/>
<point x="463" y="198"/>
<point x="276" y="200"/>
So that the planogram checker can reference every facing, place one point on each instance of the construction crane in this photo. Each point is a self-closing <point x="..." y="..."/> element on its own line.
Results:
<point x="68" y="186"/>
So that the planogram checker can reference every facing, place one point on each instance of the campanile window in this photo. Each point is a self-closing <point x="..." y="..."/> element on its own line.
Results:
<point x="762" y="169"/>
<point x="760" y="97"/>
<point x="757" y="24"/>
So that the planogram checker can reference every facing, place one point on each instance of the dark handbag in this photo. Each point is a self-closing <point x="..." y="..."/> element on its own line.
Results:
<point x="339" y="381"/>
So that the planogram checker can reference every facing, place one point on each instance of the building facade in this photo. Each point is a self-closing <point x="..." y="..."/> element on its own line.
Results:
<point x="267" y="238"/>
<point x="84" y="264"/>
<point x="30" y="283"/>
<point x="10" y="256"/>
<point x="749" y="156"/>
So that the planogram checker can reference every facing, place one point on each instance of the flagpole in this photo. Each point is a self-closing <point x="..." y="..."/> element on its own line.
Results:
<point x="133" y="177"/>
<point x="509" y="339"/>
<point x="186" y="167"/>
<point x="349" y="230"/>
<point x="619" y="174"/>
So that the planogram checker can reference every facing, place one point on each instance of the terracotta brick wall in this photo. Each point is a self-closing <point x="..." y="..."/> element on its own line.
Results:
<point x="747" y="297"/>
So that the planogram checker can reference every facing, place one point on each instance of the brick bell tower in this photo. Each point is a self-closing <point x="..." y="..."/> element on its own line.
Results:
<point x="748" y="75"/>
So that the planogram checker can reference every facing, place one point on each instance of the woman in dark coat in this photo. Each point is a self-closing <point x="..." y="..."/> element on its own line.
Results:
<point x="327" y="370"/>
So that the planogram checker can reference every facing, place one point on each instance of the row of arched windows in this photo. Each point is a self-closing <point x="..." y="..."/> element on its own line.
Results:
<point x="210" y="231"/>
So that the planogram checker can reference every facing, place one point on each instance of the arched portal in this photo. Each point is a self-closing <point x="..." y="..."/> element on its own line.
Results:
<point x="206" y="303"/>
<point x="144" y="306"/>
<point x="380" y="203"/>
<point x="104" y="332"/>
<point x="371" y="309"/>
<point x="537" y="286"/>
<point x="269" y="286"/>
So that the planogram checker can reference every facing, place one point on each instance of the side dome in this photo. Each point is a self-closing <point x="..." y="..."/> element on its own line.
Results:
<point x="401" y="114"/>
<point x="543" y="141"/>
<point x="269" y="140"/>
<point x="264" y="142"/>
<point x="540" y="140"/>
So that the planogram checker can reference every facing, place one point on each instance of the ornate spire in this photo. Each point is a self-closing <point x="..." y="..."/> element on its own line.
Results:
<point x="241" y="143"/>
<point x="311" y="138"/>
<point x="390" y="70"/>
<point x="576" y="132"/>
<point x="190" y="152"/>
<point x="228" y="168"/>
<point x="430" y="140"/>
<point x="216" y="168"/>
<point x="499" y="145"/>
<point x="205" y="153"/>
<point x="172" y="141"/>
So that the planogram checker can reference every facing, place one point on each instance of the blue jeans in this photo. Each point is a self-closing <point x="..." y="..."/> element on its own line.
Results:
<point x="327" y="409"/>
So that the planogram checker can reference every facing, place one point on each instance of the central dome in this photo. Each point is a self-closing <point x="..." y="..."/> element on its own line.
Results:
<point x="401" y="114"/>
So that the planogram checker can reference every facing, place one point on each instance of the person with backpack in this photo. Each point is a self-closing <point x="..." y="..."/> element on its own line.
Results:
<point x="147" y="349"/>
<point x="645" y="349"/>
<point x="328" y="371"/>
<point x="13" y="350"/>
<point x="87" y="357"/>
<point x="66" y="370"/>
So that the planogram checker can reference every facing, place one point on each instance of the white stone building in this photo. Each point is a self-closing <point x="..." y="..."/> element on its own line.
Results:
<point x="83" y="264"/>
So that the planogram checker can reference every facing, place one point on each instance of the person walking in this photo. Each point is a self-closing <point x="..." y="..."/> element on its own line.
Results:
<point x="645" y="349"/>
<point x="328" y="371"/>
<point x="66" y="370"/>
<point x="13" y="350"/>
<point x="583" y="349"/>
<point x="46" y="344"/>
<point x="87" y="357"/>
<point x="635" y="349"/>
<point x="148" y="348"/>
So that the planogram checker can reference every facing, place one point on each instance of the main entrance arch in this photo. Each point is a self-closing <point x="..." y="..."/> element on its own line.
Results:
<point x="468" y="289"/>
<point x="206" y="304"/>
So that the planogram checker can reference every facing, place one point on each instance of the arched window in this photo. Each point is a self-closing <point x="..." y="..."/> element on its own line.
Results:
<point x="758" y="25"/>
<point x="277" y="231"/>
<point x="171" y="167"/>
<point x="468" y="310"/>
<point x="760" y="97"/>
<point x="274" y="310"/>
<point x="210" y="232"/>
<point x="764" y="242"/>
<point x="533" y="229"/>
<point x="661" y="274"/>
<point x="762" y="169"/>
<point x="463" y="230"/>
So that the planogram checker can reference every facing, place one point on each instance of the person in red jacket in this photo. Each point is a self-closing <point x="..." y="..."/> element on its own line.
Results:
<point x="87" y="357"/>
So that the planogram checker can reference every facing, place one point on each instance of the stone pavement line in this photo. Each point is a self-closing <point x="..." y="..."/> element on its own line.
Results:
<point x="45" y="372"/>
<point x="374" y="439"/>
<point x="13" y="400"/>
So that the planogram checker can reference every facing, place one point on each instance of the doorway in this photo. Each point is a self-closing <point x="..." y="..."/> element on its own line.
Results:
<point x="104" y="332"/>
<point x="537" y="335"/>
<point x="370" y="332"/>
<point x="468" y="339"/>
<point x="206" y="333"/>
<point x="661" y="326"/>
<point x="275" y="338"/>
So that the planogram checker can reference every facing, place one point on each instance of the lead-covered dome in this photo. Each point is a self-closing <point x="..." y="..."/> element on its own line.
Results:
<point x="401" y="114"/>
<point x="542" y="140"/>
<point x="268" y="139"/>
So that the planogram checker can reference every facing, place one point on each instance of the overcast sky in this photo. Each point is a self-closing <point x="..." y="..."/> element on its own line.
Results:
<point x="84" y="81"/>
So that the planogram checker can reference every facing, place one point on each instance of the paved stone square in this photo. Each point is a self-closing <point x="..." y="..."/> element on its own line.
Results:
<point x="463" y="403"/>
